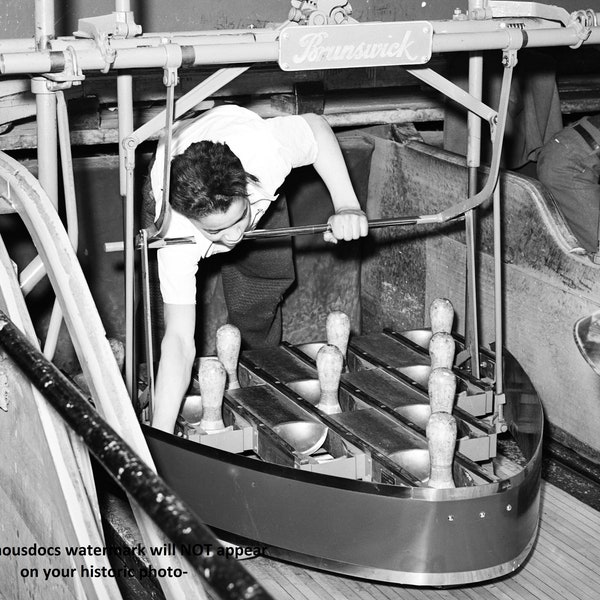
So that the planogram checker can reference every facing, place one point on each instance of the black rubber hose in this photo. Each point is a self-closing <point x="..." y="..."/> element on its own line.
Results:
<point x="226" y="577"/>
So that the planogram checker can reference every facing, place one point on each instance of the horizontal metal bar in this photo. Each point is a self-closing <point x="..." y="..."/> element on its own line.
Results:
<point x="286" y="231"/>
<point x="324" y="227"/>
<point x="262" y="46"/>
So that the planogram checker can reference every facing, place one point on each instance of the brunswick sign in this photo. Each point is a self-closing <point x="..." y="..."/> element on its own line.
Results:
<point x="304" y="48"/>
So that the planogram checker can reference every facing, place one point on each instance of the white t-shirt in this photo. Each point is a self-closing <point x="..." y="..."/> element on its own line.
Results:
<point x="267" y="148"/>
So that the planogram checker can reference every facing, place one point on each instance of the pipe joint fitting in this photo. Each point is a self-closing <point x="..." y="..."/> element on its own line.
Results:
<point x="70" y="75"/>
<point x="173" y="60"/>
<point x="582" y="22"/>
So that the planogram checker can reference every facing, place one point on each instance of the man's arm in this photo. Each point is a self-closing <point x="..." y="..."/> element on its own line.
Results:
<point x="349" y="222"/>
<point x="177" y="356"/>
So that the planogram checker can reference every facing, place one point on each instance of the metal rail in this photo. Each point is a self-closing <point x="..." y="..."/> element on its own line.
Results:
<point x="232" y="47"/>
<point x="324" y="227"/>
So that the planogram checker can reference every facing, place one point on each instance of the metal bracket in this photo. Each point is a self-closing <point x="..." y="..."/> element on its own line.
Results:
<point x="321" y="12"/>
<point x="478" y="404"/>
<point x="509" y="8"/>
<point x="509" y="57"/>
<point x="170" y="76"/>
<point x="582" y="21"/>
<point x="71" y="75"/>
<point x="499" y="421"/>
<point x="103" y="28"/>
<point x="480" y="13"/>
<point x="117" y="24"/>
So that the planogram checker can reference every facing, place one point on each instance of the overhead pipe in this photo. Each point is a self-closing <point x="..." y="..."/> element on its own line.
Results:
<point x="245" y="48"/>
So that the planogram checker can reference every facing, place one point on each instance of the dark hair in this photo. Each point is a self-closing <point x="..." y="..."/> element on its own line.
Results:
<point x="206" y="178"/>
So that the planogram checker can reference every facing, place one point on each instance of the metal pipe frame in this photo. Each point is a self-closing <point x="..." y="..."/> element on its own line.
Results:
<point x="262" y="45"/>
<point x="473" y="163"/>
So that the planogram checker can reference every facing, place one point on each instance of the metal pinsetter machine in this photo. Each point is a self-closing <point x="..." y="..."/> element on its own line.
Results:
<point x="373" y="455"/>
<point x="405" y="456"/>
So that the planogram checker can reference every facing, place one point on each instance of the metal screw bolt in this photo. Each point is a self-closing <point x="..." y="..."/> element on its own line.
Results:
<point x="508" y="507"/>
<point x="482" y="515"/>
<point x="450" y="517"/>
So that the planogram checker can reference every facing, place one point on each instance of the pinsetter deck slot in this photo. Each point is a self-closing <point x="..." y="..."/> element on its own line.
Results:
<point x="256" y="417"/>
<point x="476" y="439"/>
<point x="401" y="401"/>
<point x="282" y="366"/>
<point x="410" y="403"/>
<point x="390" y="420"/>
<point x="366" y="352"/>
<point x="474" y="402"/>
<point x="392" y="472"/>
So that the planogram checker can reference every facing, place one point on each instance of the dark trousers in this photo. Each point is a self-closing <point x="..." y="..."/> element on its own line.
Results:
<point x="570" y="169"/>
<point x="255" y="275"/>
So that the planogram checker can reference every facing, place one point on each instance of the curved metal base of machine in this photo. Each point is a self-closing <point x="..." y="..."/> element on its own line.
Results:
<point x="370" y="528"/>
<point x="403" y="577"/>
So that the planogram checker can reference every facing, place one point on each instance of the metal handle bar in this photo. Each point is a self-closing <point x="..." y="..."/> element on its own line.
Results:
<point x="324" y="227"/>
<point x="287" y="231"/>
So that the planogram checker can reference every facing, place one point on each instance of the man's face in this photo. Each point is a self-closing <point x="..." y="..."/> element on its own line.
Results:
<point x="228" y="227"/>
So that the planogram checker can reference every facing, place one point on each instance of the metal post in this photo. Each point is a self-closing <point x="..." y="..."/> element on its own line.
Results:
<point x="499" y="398"/>
<point x="125" y="109"/>
<point x="47" y="141"/>
<point x="125" y="112"/>
<point x="148" y="338"/>
<point x="473" y="163"/>
<point x="129" y="166"/>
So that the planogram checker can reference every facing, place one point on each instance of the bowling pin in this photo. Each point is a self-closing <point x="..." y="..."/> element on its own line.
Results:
<point x="229" y="341"/>
<point x="441" y="315"/>
<point x="441" y="350"/>
<point x="211" y="379"/>
<point x="442" y="389"/>
<point x="330" y="363"/>
<point x="441" y="438"/>
<point x="338" y="330"/>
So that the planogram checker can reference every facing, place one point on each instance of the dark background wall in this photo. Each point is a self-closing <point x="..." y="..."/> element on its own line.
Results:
<point x="16" y="16"/>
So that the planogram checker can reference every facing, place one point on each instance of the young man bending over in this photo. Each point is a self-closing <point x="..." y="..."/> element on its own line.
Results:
<point x="226" y="168"/>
